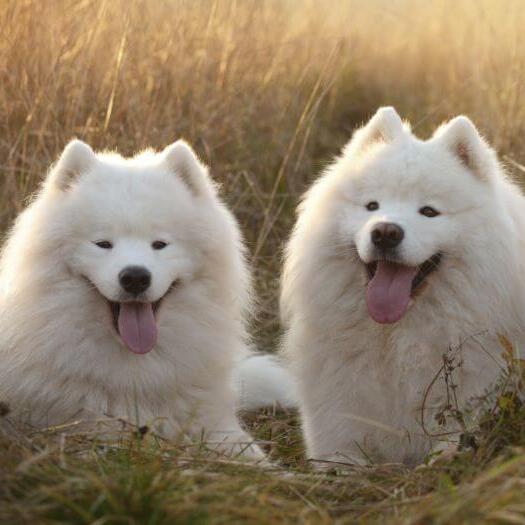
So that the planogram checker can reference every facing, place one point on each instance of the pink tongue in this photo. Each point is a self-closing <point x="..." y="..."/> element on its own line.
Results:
<point x="388" y="292"/>
<point x="137" y="327"/>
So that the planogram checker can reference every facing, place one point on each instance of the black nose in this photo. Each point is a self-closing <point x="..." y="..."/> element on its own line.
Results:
<point x="134" y="279"/>
<point x="386" y="235"/>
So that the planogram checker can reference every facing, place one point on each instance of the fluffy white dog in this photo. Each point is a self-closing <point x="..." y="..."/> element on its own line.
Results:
<point x="405" y="268"/>
<point x="123" y="289"/>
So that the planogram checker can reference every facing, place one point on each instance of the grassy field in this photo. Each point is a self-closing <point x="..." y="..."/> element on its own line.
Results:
<point x="266" y="91"/>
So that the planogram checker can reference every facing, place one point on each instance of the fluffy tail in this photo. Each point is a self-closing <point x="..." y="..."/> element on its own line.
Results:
<point x="261" y="381"/>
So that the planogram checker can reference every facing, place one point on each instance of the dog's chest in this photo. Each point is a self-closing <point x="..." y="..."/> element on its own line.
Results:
<point x="407" y="381"/>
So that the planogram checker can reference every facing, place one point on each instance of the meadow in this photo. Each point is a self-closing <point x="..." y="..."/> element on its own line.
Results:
<point x="267" y="92"/>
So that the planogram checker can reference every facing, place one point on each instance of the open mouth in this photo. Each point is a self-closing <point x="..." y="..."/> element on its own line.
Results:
<point x="136" y="322"/>
<point x="115" y="309"/>
<point x="391" y="286"/>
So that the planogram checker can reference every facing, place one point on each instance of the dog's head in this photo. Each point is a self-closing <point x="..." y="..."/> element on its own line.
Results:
<point x="405" y="205"/>
<point x="138" y="229"/>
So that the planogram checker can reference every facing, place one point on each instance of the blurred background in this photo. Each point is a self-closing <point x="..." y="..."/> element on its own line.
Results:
<point x="266" y="91"/>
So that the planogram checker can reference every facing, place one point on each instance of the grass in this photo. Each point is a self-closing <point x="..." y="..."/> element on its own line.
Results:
<point x="45" y="479"/>
<point x="266" y="91"/>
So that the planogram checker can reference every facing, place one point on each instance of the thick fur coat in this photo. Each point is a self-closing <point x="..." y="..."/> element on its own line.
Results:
<point x="405" y="268"/>
<point x="78" y="343"/>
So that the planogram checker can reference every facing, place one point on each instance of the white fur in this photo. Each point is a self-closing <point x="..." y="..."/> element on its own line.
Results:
<point x="369" y="391"/>
<point x="60" y="356"/>
<point x="261" y="381"/>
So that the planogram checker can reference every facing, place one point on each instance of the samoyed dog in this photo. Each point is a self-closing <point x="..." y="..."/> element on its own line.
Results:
<point x="405" y="271"/>
<point x="123" y="291"/>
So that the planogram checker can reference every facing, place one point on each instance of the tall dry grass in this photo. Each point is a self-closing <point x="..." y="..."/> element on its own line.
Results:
<point x="266" y="91"/>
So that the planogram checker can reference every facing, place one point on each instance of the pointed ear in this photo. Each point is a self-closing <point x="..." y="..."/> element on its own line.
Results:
<point x="76" y="159"/>
<point x="385" y="126"/>
<point x="182" y="160"/>
<point x="463" y="140"/>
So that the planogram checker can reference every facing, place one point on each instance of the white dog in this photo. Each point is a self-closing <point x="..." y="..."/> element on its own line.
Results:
<point x="123" y="290"/>
<point x="405" y="268"/>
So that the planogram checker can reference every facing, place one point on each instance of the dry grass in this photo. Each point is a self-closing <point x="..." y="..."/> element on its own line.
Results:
<point x="267" y="91"/>
<point x="45" y="480"/>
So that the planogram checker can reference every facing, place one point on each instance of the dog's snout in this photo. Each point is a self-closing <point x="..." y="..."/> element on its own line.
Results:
<point x="135" y="279"/>
<point x="387" y="235"/>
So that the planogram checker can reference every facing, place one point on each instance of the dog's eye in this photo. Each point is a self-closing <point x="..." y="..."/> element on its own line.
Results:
<point x="372" y="206"/>
<point x="159" y="245"/>
<point x="428" y="211"/>
<point x="106" y="245"/>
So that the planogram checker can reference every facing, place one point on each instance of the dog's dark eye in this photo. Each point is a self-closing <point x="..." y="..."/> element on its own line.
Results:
<point x="106" y="245"/>
<point x="159" y="245"/>
<point x="372" y="206"/>
<point x="428" y="211"/>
